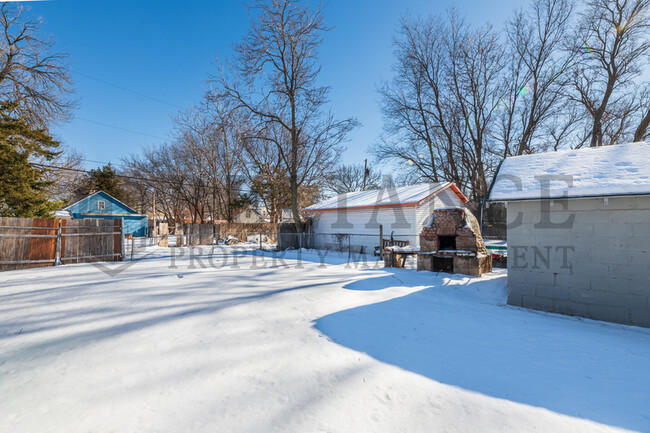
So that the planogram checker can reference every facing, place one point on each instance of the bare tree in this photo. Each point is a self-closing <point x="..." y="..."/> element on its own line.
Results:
<point x="212" y="138"/>
<point x="267" y="177"/>
<point x="200" y="170"/>
<point x="642" y="132"/>
<point x="353" y="177"/>
<point x="419" y="119"/>
<point x="613" y="43"/>
<point x="476" y="87"/>
<point x="536" y="77"/>
<point x="440" y="107"/>
<point x="31" y="72"/>
<point x="224" y="153"/>
<point x="274" y="77"/>
<point x="69" y="174"/>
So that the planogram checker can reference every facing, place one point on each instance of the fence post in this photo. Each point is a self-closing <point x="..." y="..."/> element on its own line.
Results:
<point x="132" y="247"/>
<point x="349" y="245"/>
<point x="381" y="242"/>
<point x="122" y="252"/>
<point x="260" y="240"/>
<point x="57" y="257"/>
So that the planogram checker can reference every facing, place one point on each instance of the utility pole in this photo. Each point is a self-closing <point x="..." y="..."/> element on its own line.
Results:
<point x="365" y="172"/>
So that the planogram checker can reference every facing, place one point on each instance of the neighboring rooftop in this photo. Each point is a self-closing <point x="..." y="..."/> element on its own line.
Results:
<point x="622" y="169"/>
<point x="87" y="196"/>
<point x="402" y="196"/>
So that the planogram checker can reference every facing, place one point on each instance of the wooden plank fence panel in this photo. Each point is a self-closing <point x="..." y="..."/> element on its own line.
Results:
<point x="163" y="232"/>
<point x="35" y="245"/>
<point x="199" y="234"/>
<point x="117" y="239"/>
<point x="243" y="230"/>
<point x="43" y="248"/>
<point x="14" y="248"/>
<point x="90" y="240"/>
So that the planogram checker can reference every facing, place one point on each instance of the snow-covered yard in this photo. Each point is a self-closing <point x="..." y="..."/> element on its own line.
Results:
<point x="268" y="346"/>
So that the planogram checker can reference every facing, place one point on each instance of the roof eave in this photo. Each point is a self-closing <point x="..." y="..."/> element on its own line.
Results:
<point x="94" y="194"/>
<point x="586" y="196"/>
<point x="415" y="203"/>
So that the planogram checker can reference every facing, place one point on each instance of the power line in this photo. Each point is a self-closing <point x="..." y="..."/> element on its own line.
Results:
<point x="137" y="178"/>
<point x="135" y="92"/>
<point x="117" y="164"/>
<point x="119" y="128"/>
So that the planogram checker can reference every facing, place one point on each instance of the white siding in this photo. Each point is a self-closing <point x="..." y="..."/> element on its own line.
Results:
<point x="363" y="224"/>
<point x="446" y="198"/>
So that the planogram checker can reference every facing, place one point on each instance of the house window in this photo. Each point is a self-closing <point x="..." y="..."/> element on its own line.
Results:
<point x="101" y="205"/>
<point x="248" y="214"/>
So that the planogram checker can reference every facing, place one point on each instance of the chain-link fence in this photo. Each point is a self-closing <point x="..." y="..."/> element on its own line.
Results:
<point x="349" y="246"/>
<point x="343" y="243"/>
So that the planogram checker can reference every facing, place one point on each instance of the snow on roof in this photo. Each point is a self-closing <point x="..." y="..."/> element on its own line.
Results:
<point x="621" y="169"/>
<point x="405" y="195"/>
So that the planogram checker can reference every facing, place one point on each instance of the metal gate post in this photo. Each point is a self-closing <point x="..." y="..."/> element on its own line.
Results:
<point x="57" y="257"/>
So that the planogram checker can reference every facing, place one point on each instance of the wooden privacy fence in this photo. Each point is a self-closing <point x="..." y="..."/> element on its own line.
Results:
<point x="206" y="234"/>
<point x="37" y="242"/>
<point x="243" y="230"/>
<point x="199" y="234"/>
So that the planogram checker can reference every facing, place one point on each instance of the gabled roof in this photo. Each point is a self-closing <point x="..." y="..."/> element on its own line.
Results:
<point x="87" y="196"/>
<point x="622" y="169"/>
<point x="403" y="196"/>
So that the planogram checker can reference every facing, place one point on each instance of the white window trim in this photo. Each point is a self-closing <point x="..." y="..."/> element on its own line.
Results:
<point x="101" y="204"/>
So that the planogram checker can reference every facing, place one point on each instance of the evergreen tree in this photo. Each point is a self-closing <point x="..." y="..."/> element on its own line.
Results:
<point x="22" y="184"/>
<point x="103" y="179"/>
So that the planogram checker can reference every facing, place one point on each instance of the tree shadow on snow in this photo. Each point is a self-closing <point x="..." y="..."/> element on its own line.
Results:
<point x="457" y="336"/>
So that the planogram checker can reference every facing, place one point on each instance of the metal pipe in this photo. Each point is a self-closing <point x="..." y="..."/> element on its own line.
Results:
<point x="30" y="228"/>
<point x="91" y="234"/>
<point x="90" y="257"/>
<point x="24" y="262"/>
<point x="16" y="235"/>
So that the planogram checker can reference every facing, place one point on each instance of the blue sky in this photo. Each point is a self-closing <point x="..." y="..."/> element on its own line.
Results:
<point x="166" y="49"/>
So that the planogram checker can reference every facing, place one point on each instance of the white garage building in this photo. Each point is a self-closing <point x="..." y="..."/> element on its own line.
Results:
<point x="579" y="231"/>
<point x="352" y="220"/>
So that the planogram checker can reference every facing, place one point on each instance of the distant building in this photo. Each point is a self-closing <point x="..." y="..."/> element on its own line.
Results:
<point x="579" y="231"/>
<point x="402" y="211"/>
<point x="101" y="205"/>
<point x="260" y="215"/>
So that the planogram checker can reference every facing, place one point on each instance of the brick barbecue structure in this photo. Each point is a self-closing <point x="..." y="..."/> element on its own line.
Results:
<point x="451" y="242"/>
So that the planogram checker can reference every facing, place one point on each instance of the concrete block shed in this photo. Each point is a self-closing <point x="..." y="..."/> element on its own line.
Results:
<point x="579" y="231"/>
<point x="356" y="216"/>
<point x="104" y="206"/>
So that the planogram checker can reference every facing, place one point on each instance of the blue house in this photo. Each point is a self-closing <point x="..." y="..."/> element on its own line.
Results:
<point x="102" y="205"/>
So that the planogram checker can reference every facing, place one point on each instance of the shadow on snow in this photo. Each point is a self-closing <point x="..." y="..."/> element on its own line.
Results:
<point x="459" y="334"/>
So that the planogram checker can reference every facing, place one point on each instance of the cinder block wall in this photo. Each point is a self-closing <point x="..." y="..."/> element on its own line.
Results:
<point x="596" y="265"/>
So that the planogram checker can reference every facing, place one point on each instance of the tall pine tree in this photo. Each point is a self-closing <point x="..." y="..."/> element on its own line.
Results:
<point x="103" y="179"/>
<point x="23" y="184"/>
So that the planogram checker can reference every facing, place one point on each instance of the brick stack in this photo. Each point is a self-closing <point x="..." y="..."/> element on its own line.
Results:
<point x="470" y="255"/>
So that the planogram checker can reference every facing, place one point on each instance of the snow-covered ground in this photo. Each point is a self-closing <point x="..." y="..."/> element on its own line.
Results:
<point x="172" y="344"/>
